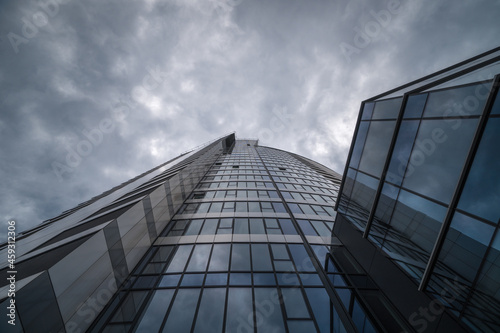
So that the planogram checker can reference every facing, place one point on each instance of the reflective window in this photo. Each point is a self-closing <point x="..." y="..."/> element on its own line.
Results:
<point x="240" y="258"/>
<point x="180" y="318"/>
<point x="211" y="312"/>
<point x="481" y="194"/>
<point x="415" y="106"/>
<point x="261" y="259"/>
<point x="359" y="144"/>
<point x="199" y="258"/>
<point x="180" y="259"/>
<point x="402" y="150"/>
<point x="455" y="102"/>
<point x="367" y="111"/>
<point x="438" y="157"/>
<point x="294" y="303"/>
<point x="220" y="257"/>
<point x="156" y="310"/>
<point x="387" y="109"/>
<point x="267" y="311"/>
<point x="376" y="147"/>
<point x="239" y="310"/>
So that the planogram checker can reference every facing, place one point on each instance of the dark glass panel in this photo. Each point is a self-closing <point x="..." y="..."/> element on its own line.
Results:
<point x="496" y="105"/>
<point x="170" y="280"/>
<point x="377" y="144"/>
<point x="402" y="150"/>
<point x="367" y="111"/>
<point x="257" y="227"/>
<point x="481" y="194"/>
<point x="320" y="304"/>
<point x="359" y="144"/>
<point x="209" y="227"/>
<point x="306" y="227"/>
<point x="180" y="318"/>
<point x="264" y="279"/>
<point x="415" y="106"/>
<point x="455" y="102"/>
<point x="294" y="303"/>
<point x="465" y="246"/>
<point x="192" y="280"/>
<point x="287" y="227"/>
<point x="300" y="326"/>
<point x="387" y="109"/>
<point x="279" y="251"/>
<point x="220" y="257"/>
<point x="180" y="259"/>
<point x="268" y="311"/>
<point x="438" y="156"/>
<point x="216" y="279"/>
<point x="301" y="258"/>
<point x="211" y="312"/>
<point x="240" y="258"/>
<point x="261" y="259"/>
<point x="156" y="310"/>
<point x="199" y="258"/>
<point x="239" y="310"/>
<point x="194" y="227"/>
<point x="240" y="279"/>
<point x="241" y="226"/>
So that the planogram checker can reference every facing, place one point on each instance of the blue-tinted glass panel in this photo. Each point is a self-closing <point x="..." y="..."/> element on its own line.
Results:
<point x="180" y="259"/>
<point x="171" y="280"/>
<point x="257" y="227"/>
<point x="211" y="312"/>
<point x="418" y="220"/>
<point x="415" y="106"/>
<point x="386" y="203"/>
<point x="180" y="318"/>
<point x="240" y="279"/>
<point x="261" y="259"/>
<point x="388" y="109"/>
<point x="465" y="245"/>
<point x="192" y="280"/>
<point x="209" y="227"/>
<point x="156" y="310"/>
<point x="306" y="227"/>
<point x="239" y="310"/>
<point x="300" y="326"/>
<point x="301" y="258"/>
<point x="240" y="259"/>
<point x="402" y="150"/>
<point x="377" y="144"/>
<point x="220" y="257"/>
<point x="241" y="226"/>
<point x="267" y="311"/>
<point x="481" y="194"/>
<point x="320" y="304"/>
<point x="359" y="144"/>
<point x="287" y="227"/>
<point x="288" y="279"/>
<point x="264" y="279"/>
<point x="216" y="279"/>
<point x="279" y="251"/>
<point x="194" y="227"/>
<point x="294" y="303"/>
<point x="199" y="258"/>
<point x="438" y="157"/>
<point x="367" y="111"/>
<point x="455" y="102"/>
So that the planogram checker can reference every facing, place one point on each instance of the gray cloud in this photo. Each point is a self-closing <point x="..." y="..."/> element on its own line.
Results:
<point x="169" y="75"/>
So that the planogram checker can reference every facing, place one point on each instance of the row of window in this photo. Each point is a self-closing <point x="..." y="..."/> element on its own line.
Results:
<point x="298" y="187"/>
<point x="236" y="177"/>
<point x="238" y="185"/>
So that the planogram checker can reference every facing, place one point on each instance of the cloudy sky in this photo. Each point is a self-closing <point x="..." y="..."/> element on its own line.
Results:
<point x="94" y="92"/>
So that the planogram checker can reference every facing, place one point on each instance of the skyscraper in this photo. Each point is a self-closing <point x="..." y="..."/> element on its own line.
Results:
<point x="238" y="237"/>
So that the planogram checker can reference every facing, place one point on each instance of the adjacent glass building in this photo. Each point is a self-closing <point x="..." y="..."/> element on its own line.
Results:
<point x="420" y="196"/>
<point x="238" y="237"/>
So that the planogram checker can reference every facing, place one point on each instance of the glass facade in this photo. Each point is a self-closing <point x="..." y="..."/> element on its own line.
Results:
<point x="422" y="185"/>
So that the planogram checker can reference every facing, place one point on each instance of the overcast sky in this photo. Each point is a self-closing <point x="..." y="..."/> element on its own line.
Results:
<point x="148" y="80"/>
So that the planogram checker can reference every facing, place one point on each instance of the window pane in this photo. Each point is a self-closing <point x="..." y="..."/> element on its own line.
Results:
<point x="241" y="226"/>
<point x="240" y="259"/>
<point x="279" y="251"/>
<point x="376" y="147"/>
<point x="180" y="318"/>
<point x="211" y="313"/>
<point x="359" y="144"/>
<point x="454" y="102"/>
<point x="367" y="111"/>
<point x="481" y="194"/>
<point x="156" y="310"/>
<point x="209" y="227"/>
<point x="180" y="259"/>
<point x="220" y="257"/>
<point x="199" y="258"/>
<point x="301" y="258"/>
<point x="388" y="109"/>
<point x="261" y="260"/>
<point x="294" y="303"/>
<point x="438" y="157"/>
<point x="268" y="311"/>
<point x="239" y="310"/>
<point x="257" y="226"/>
<point x="194" y="227"/>
<point x="415" y="105"/>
